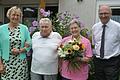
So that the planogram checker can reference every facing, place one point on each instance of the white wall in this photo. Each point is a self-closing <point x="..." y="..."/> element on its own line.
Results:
<point x="86" y="10"/>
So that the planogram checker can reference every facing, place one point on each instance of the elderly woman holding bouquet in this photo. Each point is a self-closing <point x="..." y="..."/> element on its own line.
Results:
<point x="75" y="53"/>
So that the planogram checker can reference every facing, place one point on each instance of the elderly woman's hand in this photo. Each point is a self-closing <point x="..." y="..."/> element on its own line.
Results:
<point x="2" y="68"/>
<point x="86" y="59"/>
<point x="21" y="50"/>
<point x="15" y="51"/>
<point x="27" y="45"/>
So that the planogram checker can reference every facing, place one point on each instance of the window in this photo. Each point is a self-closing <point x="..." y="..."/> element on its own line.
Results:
<point x="30" y="14"/>
<point x="6" y="20"/>
<point x="53" y="10"/>
<point x="116" y="14"/>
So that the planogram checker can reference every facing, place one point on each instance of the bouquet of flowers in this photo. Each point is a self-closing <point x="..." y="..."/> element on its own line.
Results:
<point x="73" y="53"/>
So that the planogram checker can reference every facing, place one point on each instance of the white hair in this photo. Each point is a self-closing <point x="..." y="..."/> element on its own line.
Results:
<point x="75" y="21"/>
<point x="45" y="20"/>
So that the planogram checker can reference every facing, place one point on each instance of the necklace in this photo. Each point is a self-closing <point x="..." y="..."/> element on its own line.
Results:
<point x="12" y="27"/>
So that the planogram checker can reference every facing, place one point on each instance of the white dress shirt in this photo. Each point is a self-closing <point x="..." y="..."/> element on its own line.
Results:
<point x="112" y="39"/>
<point x="45" y="57"/>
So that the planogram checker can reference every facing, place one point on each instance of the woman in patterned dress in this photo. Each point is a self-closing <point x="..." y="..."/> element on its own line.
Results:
<point x="15" y="41"/>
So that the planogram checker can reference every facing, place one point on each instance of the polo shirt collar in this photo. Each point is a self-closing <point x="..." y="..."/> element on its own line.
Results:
<point x="50" y="36"/>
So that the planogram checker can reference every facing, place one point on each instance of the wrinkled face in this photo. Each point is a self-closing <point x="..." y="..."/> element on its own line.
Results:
<point x="45" y="29"/>
<point x="75" y="30"/>
<point x="15" y="17"/>
<point x="104" y="14"/>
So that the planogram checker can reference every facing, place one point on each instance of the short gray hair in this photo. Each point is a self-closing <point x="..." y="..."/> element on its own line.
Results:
<point x="45" y="20"/>
<point x="14" y="9"/>
<point x="75" y="21"/>
<point x="107" y="6"/>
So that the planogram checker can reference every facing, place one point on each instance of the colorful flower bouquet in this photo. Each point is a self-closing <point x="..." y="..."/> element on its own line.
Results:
<point x="73" y="53"/>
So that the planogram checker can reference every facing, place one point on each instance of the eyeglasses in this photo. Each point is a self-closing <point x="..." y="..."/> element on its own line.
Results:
<point x="103" y="14"/>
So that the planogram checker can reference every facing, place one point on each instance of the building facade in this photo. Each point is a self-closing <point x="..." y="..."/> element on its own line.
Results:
<point x="30" y="9"/>
<point x="87" y="10"/>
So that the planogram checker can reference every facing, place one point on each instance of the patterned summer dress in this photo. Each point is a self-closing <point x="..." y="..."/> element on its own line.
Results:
<point x="16" y="69"/>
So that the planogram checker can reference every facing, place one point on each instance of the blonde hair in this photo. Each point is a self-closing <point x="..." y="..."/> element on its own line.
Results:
<point x="45" y="20"/>
<point x="13" y="9"/>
